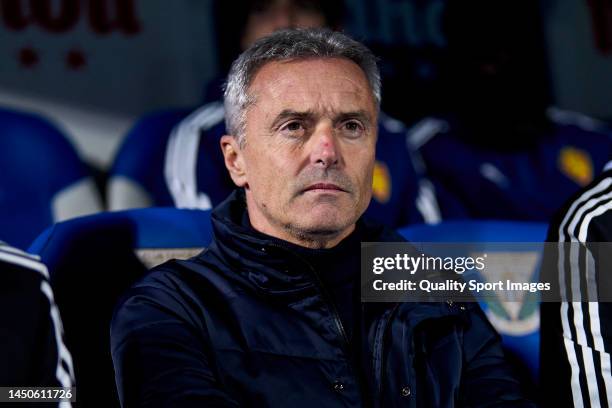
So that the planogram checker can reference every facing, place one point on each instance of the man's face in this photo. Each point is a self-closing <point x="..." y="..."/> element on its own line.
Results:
<point x="310" y="146"/>
<point x="278" y="15"/>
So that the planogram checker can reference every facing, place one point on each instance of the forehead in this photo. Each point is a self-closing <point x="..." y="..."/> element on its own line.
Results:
<point x="327" y="82"/>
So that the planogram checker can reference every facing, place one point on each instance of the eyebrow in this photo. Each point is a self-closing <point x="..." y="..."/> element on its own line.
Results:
<point x="361" y="114"/>
<point x="290" y="113"/>
<point x="309" y="114"/>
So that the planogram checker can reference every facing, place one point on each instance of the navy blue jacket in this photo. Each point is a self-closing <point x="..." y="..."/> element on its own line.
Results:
<point x="247" y="323"/>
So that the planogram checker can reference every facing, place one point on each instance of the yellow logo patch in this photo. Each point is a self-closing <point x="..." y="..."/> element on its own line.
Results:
<point x="381" y="183"/>
<point x="576" y="164"/>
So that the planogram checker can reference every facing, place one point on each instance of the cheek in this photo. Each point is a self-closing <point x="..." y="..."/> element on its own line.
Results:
<point x="266" y="179"/>
<point x="366" y="184"/>
<point x="365" y="169"/>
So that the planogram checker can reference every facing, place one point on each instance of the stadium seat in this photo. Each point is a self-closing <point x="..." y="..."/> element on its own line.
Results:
<point x="42" y="179"/>
<point x="518" y="326"/>
<point x="136" y="178"/>
<point x="476" y="231"/>
<point x="92" y="260"/>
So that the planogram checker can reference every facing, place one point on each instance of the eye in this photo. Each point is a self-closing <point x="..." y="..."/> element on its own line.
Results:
<point x="352" y="128"/>
<point x="293" y="126"/>
<point x="293" y="129"/>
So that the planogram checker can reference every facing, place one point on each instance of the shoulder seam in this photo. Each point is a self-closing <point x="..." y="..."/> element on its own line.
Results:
<point x="570" y="118"/>
<point x="24" y="261"/>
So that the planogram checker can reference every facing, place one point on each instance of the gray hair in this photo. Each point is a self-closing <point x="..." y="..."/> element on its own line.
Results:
<point x="289" y="45"/>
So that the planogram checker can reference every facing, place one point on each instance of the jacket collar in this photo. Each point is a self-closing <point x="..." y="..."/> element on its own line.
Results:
<point x="267" y="263"/>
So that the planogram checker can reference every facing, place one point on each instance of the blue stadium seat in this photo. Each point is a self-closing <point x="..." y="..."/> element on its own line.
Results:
<point x="518" y="326"/>
<point x="136" y="178"/>
<point x="42" y="179"/>
<point x="92" y="260"/>
<point x="477" y="231"/>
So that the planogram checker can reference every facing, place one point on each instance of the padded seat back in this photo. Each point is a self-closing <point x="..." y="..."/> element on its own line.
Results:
<point x="92" y="261"/>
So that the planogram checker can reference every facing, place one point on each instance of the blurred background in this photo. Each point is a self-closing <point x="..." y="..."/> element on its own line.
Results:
<point x="517" y="93"/>
<point x="94" y="66"/>
<point x="494" y="114"/>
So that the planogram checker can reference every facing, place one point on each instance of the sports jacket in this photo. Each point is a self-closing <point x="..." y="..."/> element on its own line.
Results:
<point x="247" y="323"/>
<point x="576" y="337"/>
<point x="528" y="183"/>
<point x="32" y="349"/>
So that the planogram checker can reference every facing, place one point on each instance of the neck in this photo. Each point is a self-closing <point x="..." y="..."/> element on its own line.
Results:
<point x="309" y="238"/>
<point x="316" y="239"/>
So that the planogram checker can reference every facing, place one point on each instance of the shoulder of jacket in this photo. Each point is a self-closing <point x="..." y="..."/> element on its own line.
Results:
<point x="19" y="258"/>
<point x="569" y="118"/>
<point x="425" y="130"/>
<point x="587" y="207"/>
<point x="389" y="124"/>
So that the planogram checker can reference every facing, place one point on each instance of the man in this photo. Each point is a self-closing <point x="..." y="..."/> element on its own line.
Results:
<point x="501" y="152"/>
<point x="575" y="334"/>
<point x="32" y="352"/>
<point x="188" y="168"/>
<point x="269" y="315"/>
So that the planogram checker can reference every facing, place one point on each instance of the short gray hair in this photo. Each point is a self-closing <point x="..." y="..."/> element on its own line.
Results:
<point x="289" y="45"/>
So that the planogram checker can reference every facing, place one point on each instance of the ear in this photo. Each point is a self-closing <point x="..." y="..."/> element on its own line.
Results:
<point x="234" y="159"/>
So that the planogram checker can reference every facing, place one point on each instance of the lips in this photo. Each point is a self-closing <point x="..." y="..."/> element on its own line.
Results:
<point x="324" y="186"/>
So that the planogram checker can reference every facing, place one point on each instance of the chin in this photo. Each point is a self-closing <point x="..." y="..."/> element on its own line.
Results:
<point x="327" y="223"/>
<point x="329" y="215"/>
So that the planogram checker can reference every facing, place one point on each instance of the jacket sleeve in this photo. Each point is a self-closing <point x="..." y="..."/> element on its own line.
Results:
<point x="576" y="335"/>
<point x="32" y="349"/>
<point x="160" y="356"/>
<point x="487" y="380"/>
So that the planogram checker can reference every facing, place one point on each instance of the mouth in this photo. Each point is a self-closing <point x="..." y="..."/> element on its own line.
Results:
<point x="324" y="188"/>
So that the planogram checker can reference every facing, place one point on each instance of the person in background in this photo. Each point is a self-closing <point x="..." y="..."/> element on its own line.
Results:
<point x="270" y="314"/>
<point x="501" y="151"/>
<point x="32" y="350"/>
<point x="193" y="173"/>
<point x="575" y="336"/>
<point x="254" y="19"/>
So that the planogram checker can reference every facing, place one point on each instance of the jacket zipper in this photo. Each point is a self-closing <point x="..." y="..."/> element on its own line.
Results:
<point x="382" y="354"/>
<point x="384" y="336"/>
<point x="336" y="317"/>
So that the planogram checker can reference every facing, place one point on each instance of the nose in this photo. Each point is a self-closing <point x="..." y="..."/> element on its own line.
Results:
<point x="325" y="152"/>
